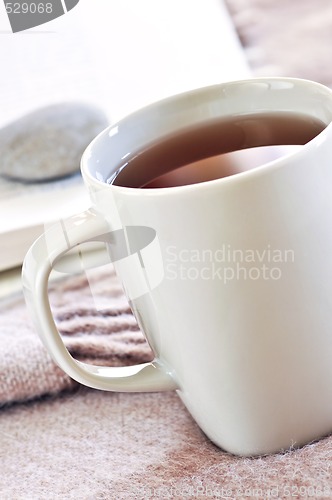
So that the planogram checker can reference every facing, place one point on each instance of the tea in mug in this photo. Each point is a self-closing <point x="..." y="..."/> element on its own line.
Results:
<point x="219" y="149"/>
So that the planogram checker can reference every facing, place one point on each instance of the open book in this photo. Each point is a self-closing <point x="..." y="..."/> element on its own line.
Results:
<point x="117" y="54"/>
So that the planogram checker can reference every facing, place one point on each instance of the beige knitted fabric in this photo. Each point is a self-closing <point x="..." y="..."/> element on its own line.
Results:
<point x="286" y="37"/>
<point x="94" y="445"/>
<point x="108" y="336"/>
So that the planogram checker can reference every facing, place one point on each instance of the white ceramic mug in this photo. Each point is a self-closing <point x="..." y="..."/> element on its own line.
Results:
<point x="248" y="348"/>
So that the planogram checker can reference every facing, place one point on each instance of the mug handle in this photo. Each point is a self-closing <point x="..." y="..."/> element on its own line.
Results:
<point x="38" y="263"/>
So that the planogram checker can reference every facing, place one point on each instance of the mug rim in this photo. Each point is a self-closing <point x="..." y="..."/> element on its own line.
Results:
<point x="258" y="170"/>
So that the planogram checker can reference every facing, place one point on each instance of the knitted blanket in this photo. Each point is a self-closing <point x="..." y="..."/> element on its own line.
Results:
<point x="64" y="441"/>
<point x="285" y="37"/>
<point x="107" y="336"/>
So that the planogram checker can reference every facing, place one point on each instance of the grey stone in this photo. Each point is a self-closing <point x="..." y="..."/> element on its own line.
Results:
<point x="48" y="143"/>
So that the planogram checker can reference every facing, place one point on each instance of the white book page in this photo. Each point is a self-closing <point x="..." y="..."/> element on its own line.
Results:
<point x="119" y="54"/>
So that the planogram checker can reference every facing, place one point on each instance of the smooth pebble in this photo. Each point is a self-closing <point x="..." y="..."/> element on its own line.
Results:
<point x="49" y="142"/>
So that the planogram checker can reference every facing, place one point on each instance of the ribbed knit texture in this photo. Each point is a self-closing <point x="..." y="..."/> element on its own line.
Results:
<point x="108" y="335"/>
<point x="94" y="445"/>
<point x="286" y="37"/>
